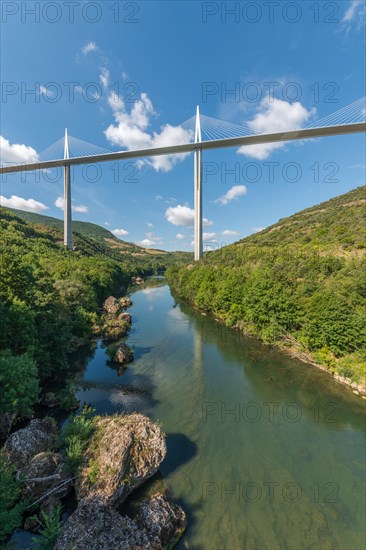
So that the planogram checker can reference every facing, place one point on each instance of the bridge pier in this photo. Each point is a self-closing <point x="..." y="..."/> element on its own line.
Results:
<point x="198" y="241"/>
<point x="67" y="198"/>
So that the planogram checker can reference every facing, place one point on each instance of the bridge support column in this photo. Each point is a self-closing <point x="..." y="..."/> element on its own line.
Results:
<point x="198" y="241"/>
<point x="67" y="199"/>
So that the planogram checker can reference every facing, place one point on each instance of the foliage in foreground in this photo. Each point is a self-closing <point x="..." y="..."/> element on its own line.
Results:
<point x="50" y="528"/>
<point x="49" y="298"/>
<point x="302" y="280"/>
<point x="74" y="437"/>
<point x="11" y="511"/>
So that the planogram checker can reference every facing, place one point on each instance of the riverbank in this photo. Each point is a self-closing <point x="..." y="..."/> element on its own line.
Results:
<point x="232" y="410"/>
<point x="292" y="349"/>
<point x="295" y="349"/>
<point x="102" y="458"/>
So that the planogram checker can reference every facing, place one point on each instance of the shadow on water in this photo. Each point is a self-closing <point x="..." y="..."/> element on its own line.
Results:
<point x="180" y="450"/>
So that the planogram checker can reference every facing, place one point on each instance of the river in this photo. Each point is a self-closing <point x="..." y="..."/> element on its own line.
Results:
<point x="264" y="452"/>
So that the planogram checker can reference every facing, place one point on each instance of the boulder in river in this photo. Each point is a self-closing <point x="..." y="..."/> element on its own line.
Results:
<point x="111" y="305"/>
<point x="22" y="445"/>
<point x="163" y="521"/>
<point x="123" y="452"/>
<point x="97" y="526"/>
<point x="124" y="354"/>
<point x="115" y="328"/>
<point x="126" y="317"/>
<point x="125" y="302"/>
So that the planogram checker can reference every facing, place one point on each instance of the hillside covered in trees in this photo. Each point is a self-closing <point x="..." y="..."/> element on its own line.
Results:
<point x="50" y="297"/>
<point x="299" y="284"/>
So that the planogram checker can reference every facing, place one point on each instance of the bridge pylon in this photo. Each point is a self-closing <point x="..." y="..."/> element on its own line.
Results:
<point x="67" y="197"/>
<point x="198" y="241"/>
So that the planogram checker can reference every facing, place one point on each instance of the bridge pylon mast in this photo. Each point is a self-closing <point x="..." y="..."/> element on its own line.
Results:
<point x="67" y="197"/>
<point x="198" y="241"/>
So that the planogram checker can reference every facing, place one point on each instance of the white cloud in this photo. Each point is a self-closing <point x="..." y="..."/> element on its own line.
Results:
<point x="233" y="193"/>
<point x="29" y="205"/>
<point x="16" y="152"/>
<point x="146" y="242"/>
<point x="183" y="215"/>
<point x="208" y="236"/>
<point x="180" y="236"/>
<point x="149" y="224"/>
<point x="351" y="11"/>
<point x="119" y="232"/>
<point x="104" y="78"/>
<point x="43" y="90"/>
<point x="257" y="229"/>
<point x="81" y="208"/>
<point x="89" y="47"/>
<point x="274" y="115"/>
<point x="230" y="233"/>
<point x="107" y="224"/>
<point x="115" y="101"/>
<point x="131" y="131"/>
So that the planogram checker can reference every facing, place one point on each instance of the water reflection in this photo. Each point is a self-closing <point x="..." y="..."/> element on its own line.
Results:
<point x="248" y="431"/>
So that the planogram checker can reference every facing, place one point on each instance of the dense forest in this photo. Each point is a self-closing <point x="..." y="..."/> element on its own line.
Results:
<point x="299" y="284"/>
<point x="50" y="297"/>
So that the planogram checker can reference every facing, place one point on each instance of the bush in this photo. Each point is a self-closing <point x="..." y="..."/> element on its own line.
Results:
<point x="11" y="511"/>
<point x="74" y="437"/>
<point x="50" y="528"/>
<point x="19" y="384"/>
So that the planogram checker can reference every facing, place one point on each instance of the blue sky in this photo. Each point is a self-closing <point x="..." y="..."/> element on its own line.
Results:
<point x="122" y="75"/>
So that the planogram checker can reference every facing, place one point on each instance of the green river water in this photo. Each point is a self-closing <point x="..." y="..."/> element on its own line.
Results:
<point x="264" y="452"/>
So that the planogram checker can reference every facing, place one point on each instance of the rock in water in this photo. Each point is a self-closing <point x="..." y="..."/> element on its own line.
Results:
<point x="115" y="328"/>
<point x="163" y="521"/>
<point x="127" y="317"/>
<point x="96" y="526"/>
<point x="125" y="302"/>
<point x="111" y="305"/>
<point x="124" y="451"/>
<point x="22" y="445"/>
<point x="124" y="354"/>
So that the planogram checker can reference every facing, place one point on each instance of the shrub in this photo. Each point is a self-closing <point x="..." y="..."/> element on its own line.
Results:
<point x="19" y="384"/>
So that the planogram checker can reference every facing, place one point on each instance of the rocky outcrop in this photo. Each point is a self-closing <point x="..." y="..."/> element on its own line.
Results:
<point x="163" y="521"/>
<point x="45" y="474"/>
<point x="124" y="451"/>
<point x="137" y="281"/>
<point x="116" y="324"/>
<point x="126" y="317"/>
<point x="111" y="305"/>
<point x="125" y="302"/>
<point x="22" y="445"/>
<point x="115" y="328"/>
<point x="96" y="526"/>
<point x="124" y="354"/>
